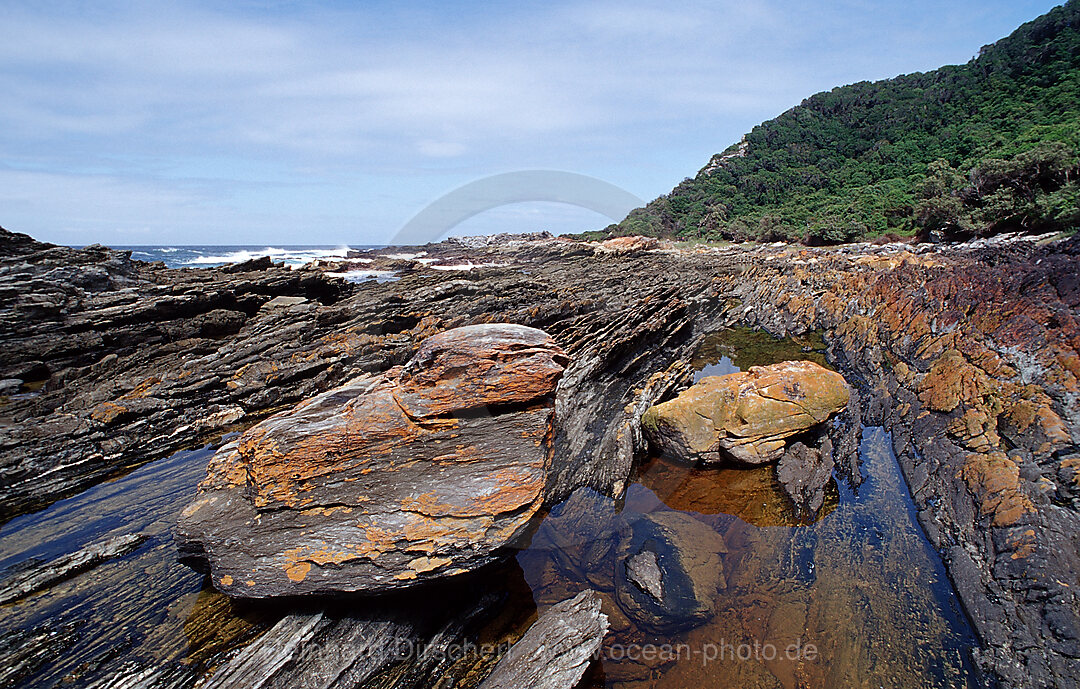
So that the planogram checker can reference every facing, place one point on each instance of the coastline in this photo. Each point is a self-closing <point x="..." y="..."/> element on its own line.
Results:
<point x="967" y="354"/>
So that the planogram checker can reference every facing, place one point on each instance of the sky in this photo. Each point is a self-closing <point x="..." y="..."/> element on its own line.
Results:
<point x="335" y="123"/>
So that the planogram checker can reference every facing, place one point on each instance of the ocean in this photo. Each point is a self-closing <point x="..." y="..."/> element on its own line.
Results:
<point x="210" y="256"/>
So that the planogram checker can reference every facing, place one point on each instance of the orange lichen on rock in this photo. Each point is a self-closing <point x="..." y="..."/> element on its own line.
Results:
<point x="994" y="480"/>
<point x="142" y="388"/>
<point x="950" y="381"/>
<point x="108" y="412"/>
<point x="388" y="479"/>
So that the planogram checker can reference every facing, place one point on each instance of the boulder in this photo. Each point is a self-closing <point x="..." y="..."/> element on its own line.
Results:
<point x="747" y="416"/>
<point x="805" y="471"/>
<point x="425" y="471"/>
<point x="669" y="571"/>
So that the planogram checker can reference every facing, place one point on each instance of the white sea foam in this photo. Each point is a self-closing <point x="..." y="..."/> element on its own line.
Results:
<point x="290" y="257"/>
<point x="407" y="257"/>
<point x="365" y="275"/>
<point x="469" y="266"/>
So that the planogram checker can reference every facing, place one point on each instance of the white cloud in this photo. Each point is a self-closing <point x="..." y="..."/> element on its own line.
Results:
<point x="441" y="149"/>
<point x="637" y="93"/>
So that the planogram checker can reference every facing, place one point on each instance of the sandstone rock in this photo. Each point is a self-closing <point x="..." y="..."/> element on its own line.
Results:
<point x="747" y="416"/>
<point x="622" y="245"/>
<point x="556" y="650"/>
<point x="669" y="571"/>
<point x="423" y="472"/>
<point x="284" y="302"/>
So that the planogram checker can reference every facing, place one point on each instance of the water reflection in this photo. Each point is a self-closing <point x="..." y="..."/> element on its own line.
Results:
<point x="861" y="585"/>
<point x="731" y="350"/>
<point x="143" y="607"/>
<point x="754" y="495"/>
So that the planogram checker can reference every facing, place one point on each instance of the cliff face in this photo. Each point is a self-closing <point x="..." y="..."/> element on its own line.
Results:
<point x="968" y="354"/>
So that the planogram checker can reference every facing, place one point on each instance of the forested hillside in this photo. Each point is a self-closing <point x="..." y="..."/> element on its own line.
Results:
<point x="985" y="147"/>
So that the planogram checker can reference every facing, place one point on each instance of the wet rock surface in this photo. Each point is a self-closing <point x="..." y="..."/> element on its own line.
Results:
<point x="746" y="416"/>
<point x="966" y="354"/>
<point x="31" y="577"/>
<point x="425" y="472"/>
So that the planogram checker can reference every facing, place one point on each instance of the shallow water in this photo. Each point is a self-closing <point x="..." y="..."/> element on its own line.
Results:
<point x="730" y="350"/>
<point x="861" y="585"/>
<point x="143" y="607"/>
<point x="858" y="583"/>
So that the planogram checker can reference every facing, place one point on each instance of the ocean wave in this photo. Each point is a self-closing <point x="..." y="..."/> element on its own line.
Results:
<point x="290" y="257"/>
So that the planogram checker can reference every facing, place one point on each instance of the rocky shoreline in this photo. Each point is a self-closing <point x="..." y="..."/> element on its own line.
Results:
<point x="968" y="354"/>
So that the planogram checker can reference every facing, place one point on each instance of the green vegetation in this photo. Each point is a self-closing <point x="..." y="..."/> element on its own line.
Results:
<point x="985" y="147"/>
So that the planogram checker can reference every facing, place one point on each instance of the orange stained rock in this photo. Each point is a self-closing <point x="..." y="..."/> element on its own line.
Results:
<point x="141" y="389"/>
<point x="994" y="480"/>
<point x="952" y="380"/>
<point x="107" y="412"/>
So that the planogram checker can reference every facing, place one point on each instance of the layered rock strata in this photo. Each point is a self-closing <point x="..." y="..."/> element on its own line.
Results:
<point x="423" y="472"/>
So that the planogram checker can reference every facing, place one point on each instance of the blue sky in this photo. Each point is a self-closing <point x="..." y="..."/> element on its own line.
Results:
<point x="336" y="122"/>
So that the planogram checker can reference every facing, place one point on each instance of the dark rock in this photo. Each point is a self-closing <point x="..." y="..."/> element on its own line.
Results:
<point x="669" y="571"/>
<point x="318" y="650"/>
<point x="22" y="652"/>
<point x="250" y="265"/>
<point x="36" y="578"/>
<point x="409" y="643"/>
<point x="556" y="650"/>
<point x="393" y="480"/>
<point x="804" y="472"/>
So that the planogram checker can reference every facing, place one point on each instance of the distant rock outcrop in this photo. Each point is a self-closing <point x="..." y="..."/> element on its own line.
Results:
<point x="423" y="472"/>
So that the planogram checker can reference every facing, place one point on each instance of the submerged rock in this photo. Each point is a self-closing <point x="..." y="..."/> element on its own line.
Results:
<point x="804" y="471"/>
<point x="555" y="652"/>
<point x="669" y="571"/>
<point x="422" y="472"/>
<point x="747" y="416"/>
<point x="35" y="578"/>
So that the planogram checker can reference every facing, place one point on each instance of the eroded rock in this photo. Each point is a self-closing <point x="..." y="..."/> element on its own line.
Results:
<point x="422" y="472"/>
<point x="747" y="416"/>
